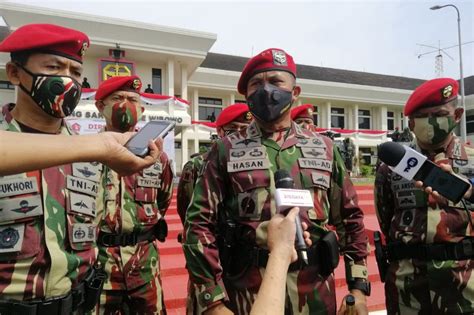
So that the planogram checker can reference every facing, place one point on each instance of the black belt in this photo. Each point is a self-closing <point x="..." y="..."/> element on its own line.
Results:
<point x="51" y="306"/>
<point x="130" y="239"/>
<point x="260" y="258"/>
<point x="443" y="251"/>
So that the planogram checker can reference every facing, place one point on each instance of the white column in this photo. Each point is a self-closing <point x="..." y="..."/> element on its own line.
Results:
<point x="356" y="117"/>
<point x="405" y="120"/>
<point x="232" y="98"/>
<point x="383" y="118"/>
<point x="184" y="82"/>
<point x="195" y="105"/>
<point x="196" y="138"/>
<point x="326" y="123"/>
<point x="184" y="147"/>
<point x="170" y="77"/>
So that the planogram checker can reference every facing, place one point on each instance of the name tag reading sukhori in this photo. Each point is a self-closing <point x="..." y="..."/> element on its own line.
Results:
<point x="17" y="186"/>
<point x="238" y="166"/>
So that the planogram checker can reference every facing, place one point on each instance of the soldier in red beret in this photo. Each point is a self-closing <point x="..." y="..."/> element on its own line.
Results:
<point x="47" y="220"/>
<point x="225" y="241"/>
<point x="429" y="239"/>
<point x="133" y="209"/>
<point x="303" y="116"/>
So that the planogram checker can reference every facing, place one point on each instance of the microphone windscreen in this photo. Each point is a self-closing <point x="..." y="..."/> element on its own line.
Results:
<point x="391" y="153"/>
<point x="283" y="179"/>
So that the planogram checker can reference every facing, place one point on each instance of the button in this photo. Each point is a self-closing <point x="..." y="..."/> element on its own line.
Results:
<point x="207" y="296"/>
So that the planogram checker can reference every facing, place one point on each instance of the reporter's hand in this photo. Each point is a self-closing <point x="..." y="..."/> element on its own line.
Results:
<point x="282" y="234"/>
<point x="438" y="198"/>
<point x="360" y="306"/>
<point x="120" y="159"/>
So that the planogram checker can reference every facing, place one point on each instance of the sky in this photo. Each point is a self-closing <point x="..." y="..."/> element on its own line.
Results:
<point x="377" y="36"/>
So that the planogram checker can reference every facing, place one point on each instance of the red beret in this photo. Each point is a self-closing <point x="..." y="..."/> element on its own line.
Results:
<point x="237" y="112"/>
<point x="48" y="38"/>
<point x="267" y="60"/>
<point x="432" y="93"/>
<point x="121" y="83"/>
<point x="303" y="111"/>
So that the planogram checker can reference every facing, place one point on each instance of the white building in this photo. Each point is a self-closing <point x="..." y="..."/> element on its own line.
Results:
<point x="177" y="62"/>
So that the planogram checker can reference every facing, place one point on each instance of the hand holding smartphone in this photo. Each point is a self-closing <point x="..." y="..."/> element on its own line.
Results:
<point x="153" y="130"/>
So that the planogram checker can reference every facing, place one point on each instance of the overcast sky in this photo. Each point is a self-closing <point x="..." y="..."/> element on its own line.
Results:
<point x="372" y="36"/>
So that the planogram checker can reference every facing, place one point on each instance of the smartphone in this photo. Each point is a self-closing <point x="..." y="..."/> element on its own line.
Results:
<point x="450" y="186"/>
<point x="155" y="129"/>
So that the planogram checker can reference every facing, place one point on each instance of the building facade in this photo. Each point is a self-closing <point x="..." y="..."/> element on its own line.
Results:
<point x="177" y="63"/>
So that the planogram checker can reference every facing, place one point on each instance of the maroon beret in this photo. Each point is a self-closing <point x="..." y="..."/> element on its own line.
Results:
<point x="120" y="83"/>
<point x="237" y="112"/>
<point x="47" y="38"/>
<point x="303" y="111"/>
<point x="267" y="60"/>
<point x="432" y="93"/>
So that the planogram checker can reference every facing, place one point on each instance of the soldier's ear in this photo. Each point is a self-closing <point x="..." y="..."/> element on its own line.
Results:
<point x="458" y="114"/>
<point x="296" y="92"/>
<point x="411" y="123"/>
<point x="100" y="105"/>
<point x="13" y="73"/>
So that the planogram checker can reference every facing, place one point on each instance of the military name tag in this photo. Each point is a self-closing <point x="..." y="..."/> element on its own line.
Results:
<point x="148" y="182"/>
<point x="153" y="171"/>
<point x="11" y="238"/>
<point x="318" y="164"/>
<point x="82" y="185"/>
<point x="83" y="232"/>
<point x="82" y="204"/>
<point x="311" y="143"/>
<point x="245" y="143"/>
<point x="404" y="185"/>
<point x="238" y="166"/>
<point x="247" y="154"/>
<point x="322" y="180"/>
<point x="20" y="208"/>
<point x="17" y="186"/>
<point x="89" y="171"/>
<point x="313" y="152"/>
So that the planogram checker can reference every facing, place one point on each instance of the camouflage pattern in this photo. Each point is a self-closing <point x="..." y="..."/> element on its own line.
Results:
<point x="188" y="178"/>
<point x="133" y="204"/>
<point x="408" y="214"/>
<point x="433" y="130"/>
<point x="47" y="226"/>
<point x="237" y="181"/>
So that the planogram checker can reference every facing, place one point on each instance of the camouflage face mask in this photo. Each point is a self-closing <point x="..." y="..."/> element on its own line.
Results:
<point x="123" y="116"/>
<point x="433" y="130"/>
<point x="57" y="95"/>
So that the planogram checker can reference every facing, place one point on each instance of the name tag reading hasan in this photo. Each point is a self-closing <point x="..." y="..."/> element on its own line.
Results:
<point x="238" y="166"/>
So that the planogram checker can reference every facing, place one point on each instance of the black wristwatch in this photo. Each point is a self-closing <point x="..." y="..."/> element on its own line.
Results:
<point x="360" y="284"/>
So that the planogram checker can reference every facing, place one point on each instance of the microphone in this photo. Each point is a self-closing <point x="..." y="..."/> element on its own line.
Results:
<point x="413" y="165"/>
<point x="287" y="197"/>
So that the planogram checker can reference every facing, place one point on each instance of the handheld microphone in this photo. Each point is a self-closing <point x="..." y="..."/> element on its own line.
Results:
<point x="287" y="197"/>
<point x="413" y="165"/>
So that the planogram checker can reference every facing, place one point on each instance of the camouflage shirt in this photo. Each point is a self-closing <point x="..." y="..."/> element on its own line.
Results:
<point x="409" y="215"/>
<point x="133" y="204"/>
<point x="237" y="180"/>
<point x="186" y="184"/>
<point x="47" y="226"/>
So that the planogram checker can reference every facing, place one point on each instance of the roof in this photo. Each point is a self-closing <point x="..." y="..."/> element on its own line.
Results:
<point x="236" y="63"/>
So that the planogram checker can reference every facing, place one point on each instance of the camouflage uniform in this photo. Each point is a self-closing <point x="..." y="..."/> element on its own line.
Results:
<point x="409" y="215"/>
<point x="134" y="204"/>
<point x="186" y="184"/>
<point x="236" y="181"/>
<point x="47" y="226"/>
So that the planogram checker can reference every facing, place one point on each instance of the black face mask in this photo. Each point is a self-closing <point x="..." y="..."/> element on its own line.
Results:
<point x="57" y="95"/>
<point x="269" y="103"/>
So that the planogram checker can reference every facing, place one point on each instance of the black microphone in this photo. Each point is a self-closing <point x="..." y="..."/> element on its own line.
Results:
<point x="413" y="165"/>
<point x="286" y="196"/>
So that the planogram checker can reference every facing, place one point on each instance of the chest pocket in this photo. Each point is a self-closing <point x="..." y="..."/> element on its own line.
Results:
<point x="21" y="211"/>
<point x="318" y="182"/>
<point x="82" y="186"/>
<point x="146" y="192"/>
<point x="252" y="189"/>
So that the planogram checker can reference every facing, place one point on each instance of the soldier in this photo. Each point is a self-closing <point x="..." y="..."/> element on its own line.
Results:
<point x="133" y="216"/>
<point x="47" y="217"/>
<point x="429" y="240"/>
<point x="233" y="118"/>
<point x="303" y="116"/>
<point x="225" y="228"/>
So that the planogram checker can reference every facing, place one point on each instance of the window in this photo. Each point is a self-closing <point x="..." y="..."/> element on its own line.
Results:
<point x="337" y="117"/>
<point x="315" y="115"/>
<point x="470" y="124"/>
<point x="365" y="156"/>
<point x="6" y="85"/>
<point x="156" y="81"/>
<point x="402" y="122"/>
<point x="364" y="119"/>
<point x="209" y="108"/>
<point x="390" y="121"/>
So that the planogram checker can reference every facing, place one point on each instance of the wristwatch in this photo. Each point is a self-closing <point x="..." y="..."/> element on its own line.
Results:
<point x="360" y="284"/>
